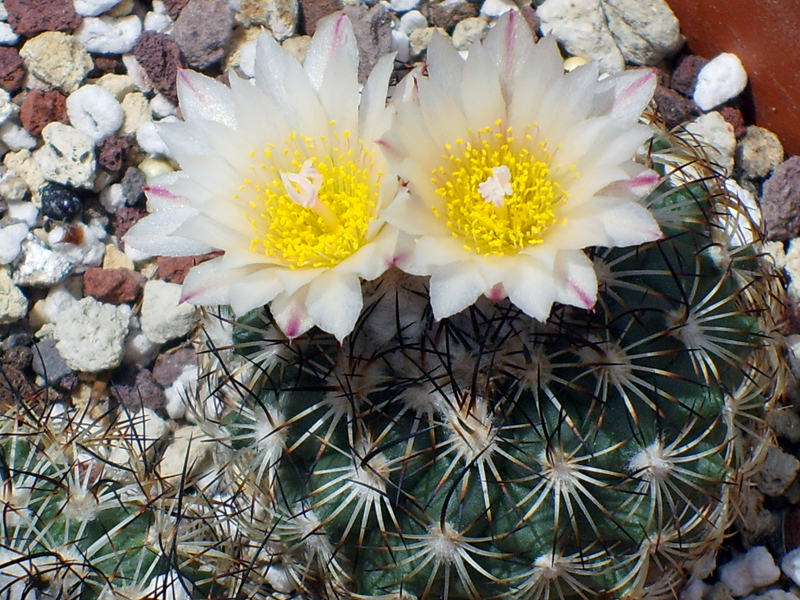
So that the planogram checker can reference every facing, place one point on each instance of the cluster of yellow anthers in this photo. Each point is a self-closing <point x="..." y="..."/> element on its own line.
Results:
<point x="490" y="174"/>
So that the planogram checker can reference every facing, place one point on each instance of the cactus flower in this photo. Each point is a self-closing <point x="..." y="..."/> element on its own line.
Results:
<point x="285" y="178"/>
<point x="514" y="168"/>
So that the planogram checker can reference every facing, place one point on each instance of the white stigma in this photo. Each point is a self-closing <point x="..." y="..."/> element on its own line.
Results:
<point x="303" y="187"/>
<point x="497" y="186"/>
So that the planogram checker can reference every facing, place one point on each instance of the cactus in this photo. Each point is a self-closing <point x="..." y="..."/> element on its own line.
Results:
<point x="488" y="455"/>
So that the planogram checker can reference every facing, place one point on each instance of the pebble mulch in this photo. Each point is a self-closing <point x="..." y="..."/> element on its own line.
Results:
<point x="82" y="83"/>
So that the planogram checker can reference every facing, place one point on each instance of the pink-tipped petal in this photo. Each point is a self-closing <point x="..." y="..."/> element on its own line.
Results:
<point x="334" y="41"/>
<point x="290" y="314"/>
<point x="334" y="302"/>
<point x="576" y="280"/>
<point x="204" y="98"/>
<point x="639" y="186"/>
<point x="153" y="234"/>
<point x="625" y="95"/>
<point x="510" y="44"/>
<point x="209" y="283"/>
<point x="630" y="224"/>
<point x="254" y="290"/>
<point x="454" y="287"/>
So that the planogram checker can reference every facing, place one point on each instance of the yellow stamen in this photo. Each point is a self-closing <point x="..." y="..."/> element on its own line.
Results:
<point x="312" y="209"/>
<point x="500" y="196"/>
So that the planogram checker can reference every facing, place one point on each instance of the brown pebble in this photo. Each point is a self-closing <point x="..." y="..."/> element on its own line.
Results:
<point x="175" y="268"/>
<point x="14" y="387"/>
<point x="734" y="116"/>
<point x="531" y="18"/>
<point x="447" y="14"/>
<point x="12" y="70"/>
<point x="203" y="31"/>
<point x="160" y="57"/>
<point x="170" y="365"/>
<point x="137" y="390"/>
<point x="684" y="77"/>
<point x="673" y="108"/>
<point x="29" y="17"/>
<point x="115" y="286"/>
<point x="373" y="35"/>
<point x="312" y="11"/>
<point x="126" y="217"/>
<point x="104" y="63"/>
<point x="780" y="201"/>
<point x="112" y="151"/>
<point x="41" y="108"/>
<point x="174" y="7"/>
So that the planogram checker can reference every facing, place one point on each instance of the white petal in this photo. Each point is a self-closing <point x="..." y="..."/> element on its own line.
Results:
<point x="443" y="117"/>
<point x="209" y="283"/>
<point x="436" y="251"/>
<point x="575" y="279"/>
<point x="630" y="224"/>
<point x="290" y="314"/>
<point x="293" y="281"/>
<point x="482" y="100"/>
<point x="371" y="260"/>
<point x="334" y="302"/>
<point x="253" y="290"/>
<point x="152" y="234"/>
<point x="334" y="41"/>
<point x="409" y="213"/>
<point x="536" y="79"/>
<point x="454" y="287"/>
<point x="626" y="94"/>
<point x="182" y="139"/>
<point x="265" y="123"/>
<point x="510" y="44"/>
<point x="202" y="227"/>
<point x="445" y="65"/>
<point x="639" y="185"/>
<point x="531" y="287"/>
<point x="339" y="93"/>
<point x="374" y="116"/>
<point x="160" y="195"/>
<point x="201" y="97"/>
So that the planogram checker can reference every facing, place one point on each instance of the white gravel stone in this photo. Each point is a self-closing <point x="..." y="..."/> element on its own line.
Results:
<point x="717" y="138"/>
<point x="24" y="212"/>
<point x="719" y="80"/>
<point x="188" y="454"/>
<point x="400" y="44"/>
<point x="182" y="392"/>
<point x="67" y="156"/>
<point x="744" y="228"/>
<point x="13" y="303"/>
<point x="7" y="35"/>
<point x="745" y="573"/>
<point x="11" y="237"/>
<point x="94" y="111"/>
<point x="91" y="335"/>
<point x="497" y="8"/>
<point x="580" y="26"/>
<point x="92" y="8"/>
<point x="790" y="565"/>
<point x="402" y="6"/>
<point x="3" y="12"/>
<point x="412" y="20"/>
<point x="7" y="107"/>
<point x="148" y="139"/>
<point x="13" y="187"/>
<point x="646" y="31"/>
<point x="39" y="265"/>
<point x="105" y="35"/>
<point x="468" y="31"/>
<point x="157" y="22"/>
<point x="162" y="317"/>
<point x="56" y="59"/>
<point x="773" y="595"/>
<point x="89" y="253"/>
<point x="112" y="198"/>
<point x="136" y="108"/>
<point x="118" y="85"/>
<point x="59" y="297"/>
<point x="161" y="107"/>
<point x="777" y="472"/>
<point x="16" y="137"/>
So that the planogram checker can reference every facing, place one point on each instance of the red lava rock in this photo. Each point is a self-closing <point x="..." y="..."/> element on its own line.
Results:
<point x="137" y="390"/>
<point x="175" y="268"/>
<point x="791" y="529"/>
<point x="41" y="108"/>
<point x="312" y="11"/>
<point x="780" y="201"/>
<point x="160" y="57"/>
<point x="684" y="77"/>
<point x="112" y="152"/>
<point x="174" y="7"/>
<point x="203" y="31"/>
<point x="116" y="286"/>
<point x="104" y="63"/>
<point x="29" y="17"/>
<point x="127" y="217"/>
<point x="734" y="116"/>
<point x="674" y="108"/>
<point x="12" y="71"/>
<point x="14" y="386"/>
<point x="373" y="35"/>
<point x="170" y="365"/>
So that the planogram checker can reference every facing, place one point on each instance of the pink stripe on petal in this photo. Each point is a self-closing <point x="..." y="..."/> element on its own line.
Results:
<point x="294" y="324"/>
<point x="587" y="301"/>
<point x="635" y="86"/>
<point x="161" y="192"/>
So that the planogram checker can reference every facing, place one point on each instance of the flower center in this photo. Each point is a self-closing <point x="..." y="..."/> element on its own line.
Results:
<point x="312" y="201"/>
<point x="500" y="196"/>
